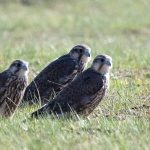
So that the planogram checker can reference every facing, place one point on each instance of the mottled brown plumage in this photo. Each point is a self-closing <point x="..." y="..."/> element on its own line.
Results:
<point x="13" y="82"/>
<point x="57" y="75"/>
<point x="84" y="93"/>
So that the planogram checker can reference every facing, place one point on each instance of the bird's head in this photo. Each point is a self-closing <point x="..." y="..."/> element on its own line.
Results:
<point x="102" y="64"/>
<point x="81" y="53"/>
<point x="19" y="68"/>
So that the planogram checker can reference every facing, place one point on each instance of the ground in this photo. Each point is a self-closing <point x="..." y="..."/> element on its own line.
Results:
<point x="42" y="31"/>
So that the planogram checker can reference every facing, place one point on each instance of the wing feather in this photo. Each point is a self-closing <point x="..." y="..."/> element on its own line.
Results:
<point x="3" y="80"/>
<point x="75" y="95"/>
<point x="53" y="77"/>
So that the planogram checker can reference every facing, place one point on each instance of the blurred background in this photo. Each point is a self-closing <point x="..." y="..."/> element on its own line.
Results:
<point x="41" y="30"/>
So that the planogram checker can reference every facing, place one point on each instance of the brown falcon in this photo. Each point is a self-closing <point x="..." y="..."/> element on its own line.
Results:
<point x="13" y="82"/>
<point x="57" y="74"/>
<point x="84" y="93"/>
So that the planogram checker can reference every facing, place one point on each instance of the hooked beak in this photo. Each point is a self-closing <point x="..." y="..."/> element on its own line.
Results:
<point x="25" y="67"/>
<point x="87" y="54"/>
<point x="108" y="63"/>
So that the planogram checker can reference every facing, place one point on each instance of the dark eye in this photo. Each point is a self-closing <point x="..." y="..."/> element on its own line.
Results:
<point x="80" y="50"/>
<point x="102" y="59"/>
<point x="18" y="65"/>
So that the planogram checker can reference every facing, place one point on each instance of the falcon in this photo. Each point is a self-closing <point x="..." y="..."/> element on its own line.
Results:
<point x="13" y="82"/>
<point x="83" y="94"/>
<point x="57" y="75"/>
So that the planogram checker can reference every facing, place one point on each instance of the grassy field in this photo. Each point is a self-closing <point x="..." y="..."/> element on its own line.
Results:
<point x="45" y="30"/>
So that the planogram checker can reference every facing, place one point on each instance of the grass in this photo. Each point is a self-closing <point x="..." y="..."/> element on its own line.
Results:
<point x="45" y="30"/>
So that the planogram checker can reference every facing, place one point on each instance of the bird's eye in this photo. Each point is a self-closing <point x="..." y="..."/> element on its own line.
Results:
<point x="18" y="65"/>
<point x="102" y="59"/>
<point x="80" y="50"/>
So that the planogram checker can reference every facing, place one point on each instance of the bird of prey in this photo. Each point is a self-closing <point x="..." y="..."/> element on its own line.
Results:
<point x="57" y="75"/>
<point x="83" y="94"/>
<point x="13" y="82"/>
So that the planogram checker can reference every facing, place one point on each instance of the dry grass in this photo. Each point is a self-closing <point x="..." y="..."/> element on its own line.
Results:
<point x="44" y="30"/>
